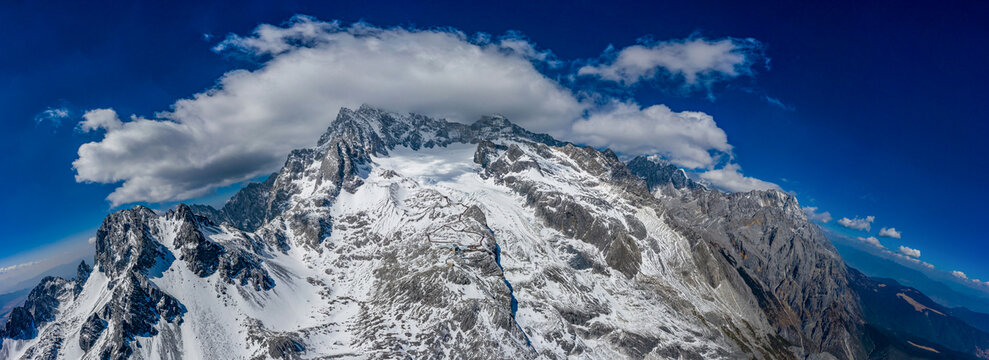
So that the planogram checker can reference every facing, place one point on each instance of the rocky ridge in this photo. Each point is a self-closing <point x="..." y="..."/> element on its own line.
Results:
<point x="407" y="236"/>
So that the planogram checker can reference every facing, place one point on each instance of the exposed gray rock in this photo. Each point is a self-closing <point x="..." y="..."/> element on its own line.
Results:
<point x="247" y="209"/>
<point x="136" y="308"/>
<point x="568" y="214"/>
<point x="91" y="331"/>
<point x="124" y="243"/>
<point x="201" y="255"/>
<point x="205" y="257"/>
<point x="784" y="259"/>
<point x="82" y="274"/>
<point x="659" y="173"/>
<point x="20" y="325"/>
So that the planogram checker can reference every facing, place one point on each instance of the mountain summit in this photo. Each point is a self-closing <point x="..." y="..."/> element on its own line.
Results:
<point x="404" y="236"/>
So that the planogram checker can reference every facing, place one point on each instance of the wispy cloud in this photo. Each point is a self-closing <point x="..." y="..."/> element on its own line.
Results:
<point x="18" y="266"/>
<point x="778" y="103"/>
<point x="52" y="115"/>
<point x="812" y="214"/>
<point x="857" y="223"/>
<point x="697" y="62"/>
<point x="959" y="274"/>
<point x="871" y="241"/>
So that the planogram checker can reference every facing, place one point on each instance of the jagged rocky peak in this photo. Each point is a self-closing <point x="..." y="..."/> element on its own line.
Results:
<point x="246" y="210"/>
<point x="658" y="173"/>
<point x="39" y="308"/>
<point x="124" y="243"/>
<point x="785" y="203"/>
<point x="82" y="274"/>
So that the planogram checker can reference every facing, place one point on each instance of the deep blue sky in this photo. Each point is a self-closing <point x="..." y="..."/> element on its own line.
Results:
<point x="888" y="101"/>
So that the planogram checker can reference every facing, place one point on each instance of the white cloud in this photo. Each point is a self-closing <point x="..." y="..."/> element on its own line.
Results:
<point x="909" y="252"/>
<point x="91" y="240"/>
<point x="685" y="138"/>
<point x="52" y="115"/>
<point x="244" y="127"/>
<point x="697" y="62"/>
<point x="891" y="232"/>
<point x="959" y="274"/>
<point x="811" y="211"/>
<point x="857" y="223"/>
<point x="100" y="119"/>
<point x="730" y="178"/>
<point x="909" y="259"/>
<point x="871" y="241"/>
<point x="247" y="124"/>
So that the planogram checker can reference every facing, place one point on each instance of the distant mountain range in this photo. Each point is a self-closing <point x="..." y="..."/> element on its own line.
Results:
<point x="878" y="266"/>
<point x="404" y="236"/>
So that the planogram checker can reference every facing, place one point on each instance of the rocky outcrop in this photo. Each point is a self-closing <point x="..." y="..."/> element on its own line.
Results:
<point x="82" y="274"/>
<point x="247" y="209"/>
<point x="91" y="331"/>
<point x="38" y="309"/>
<point x="136" y="308"/>
<point x="659" y="173"/>
<point x="616" y="237"/>
<point x="124" y="243"/>
<point x="785" y="260"/>
<point x="205" y="257"/>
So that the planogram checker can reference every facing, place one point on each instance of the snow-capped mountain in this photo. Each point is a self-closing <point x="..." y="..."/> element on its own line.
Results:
<point x="403" y="236"/>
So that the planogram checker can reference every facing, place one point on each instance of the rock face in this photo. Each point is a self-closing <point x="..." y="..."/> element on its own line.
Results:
<point x="247" y="209"/>
<point x="784" y="259"/>
<point x="403" y="236"/>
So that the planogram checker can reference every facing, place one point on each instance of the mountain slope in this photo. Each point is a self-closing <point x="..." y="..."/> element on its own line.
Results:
<point x="406" y="236"/>
<point x="908" y="314"/>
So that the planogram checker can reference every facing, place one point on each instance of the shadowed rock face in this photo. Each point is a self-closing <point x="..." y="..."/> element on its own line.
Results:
<point x="659" y="173"/>
<point x="82" y="274"/>
<point x="37" y="310"/>
<point x="205" y="257"/>
<point x="785" y="260"/>
<point x="246" y="210"/>
<point x="124" y="243"/>
<point x="91" y="331"/>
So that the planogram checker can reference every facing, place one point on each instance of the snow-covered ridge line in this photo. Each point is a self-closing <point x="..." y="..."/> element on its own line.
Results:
<point x="406" y="236"/>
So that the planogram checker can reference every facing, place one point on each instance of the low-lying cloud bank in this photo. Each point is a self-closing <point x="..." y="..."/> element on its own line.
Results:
<point x="247" y="123"/>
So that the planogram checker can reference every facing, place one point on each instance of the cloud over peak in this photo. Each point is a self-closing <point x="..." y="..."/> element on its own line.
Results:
<point x="245" y="125"/>
<point x="857" y="223"/>
<point x="729" y="178"/>
<point x="685" y="138"/>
